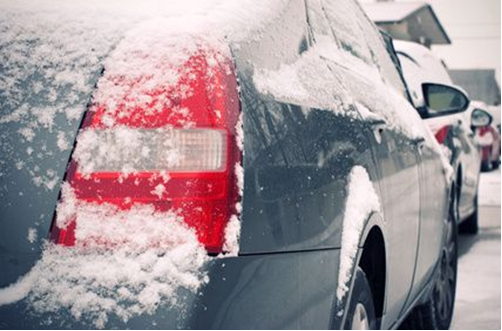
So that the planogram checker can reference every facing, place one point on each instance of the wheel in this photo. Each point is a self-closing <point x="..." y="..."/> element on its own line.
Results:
<point x="443" y="295"/>
<point x="437" y="312"/>
<point x="361" y="313"/>
<point x="470" y="225"/>
<point x="496" y="164"/>
<point x="486" y="166"/>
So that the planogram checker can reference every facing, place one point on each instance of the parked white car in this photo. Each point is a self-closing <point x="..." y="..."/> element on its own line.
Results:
<point x="420" y="65"/>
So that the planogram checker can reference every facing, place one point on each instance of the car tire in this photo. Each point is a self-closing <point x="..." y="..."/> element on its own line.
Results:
<point x="486" y="166"/>
<point x="361" y="312"/>
<point x="437" y="312"/>
<point x="496" y="164"/>
<point x="470" y="225"/>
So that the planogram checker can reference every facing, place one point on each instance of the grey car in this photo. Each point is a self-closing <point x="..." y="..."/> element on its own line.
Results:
<point x="217" y="164"/>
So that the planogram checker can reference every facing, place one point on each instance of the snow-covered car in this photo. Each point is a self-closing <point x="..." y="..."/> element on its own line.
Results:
<point x="217" y="164"/>
<point x="487" y="136"/>
<point x="454" y="132"/>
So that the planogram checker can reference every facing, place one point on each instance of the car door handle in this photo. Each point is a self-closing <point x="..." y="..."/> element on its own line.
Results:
<point x="377" y="127"/>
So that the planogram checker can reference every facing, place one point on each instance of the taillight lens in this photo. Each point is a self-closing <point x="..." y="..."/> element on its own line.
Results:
<point x="127" y="150"/>
<point x="175" y="151"/>
<point x="442" y="134"/>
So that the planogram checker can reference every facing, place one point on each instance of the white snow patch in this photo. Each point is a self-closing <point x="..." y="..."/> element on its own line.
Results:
<point x="239" y="173"/>
<point x="283" y="83"/>
<point x="125" y="149"/>
<point x="239" y="129"/>
<point x="124" y="263"/>
<point x="67" y="207"/>
<point x="232" y="235"/>
<point x="368" y="115"/>
<point x="446" y="151"/>
<point x="27" y="133"/>
<point x="128" y="150"/>
<point x="159" y="190"/>
<point x="62" y="142"/>
<point x="32" y="235"/>
<point x="362" y="200"/>
<point x="326" y="77"/>
<point x="19" y="290"/>
<point x="47" y="180"/>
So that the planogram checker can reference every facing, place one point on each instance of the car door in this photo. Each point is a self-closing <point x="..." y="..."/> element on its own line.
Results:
<point x="469" y="157"/>
<point x="302" y="141"/>
<point x="381" y="99"/>
<point x="453" y="131"/>
<point x="432" y="192"/>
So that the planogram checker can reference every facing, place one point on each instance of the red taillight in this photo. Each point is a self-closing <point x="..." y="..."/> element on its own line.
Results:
<point x="175" y="150"/>
<point x="442" y="133"/>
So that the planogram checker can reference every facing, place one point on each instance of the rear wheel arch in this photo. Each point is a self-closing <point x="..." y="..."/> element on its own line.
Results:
<point x="373" y="261"/>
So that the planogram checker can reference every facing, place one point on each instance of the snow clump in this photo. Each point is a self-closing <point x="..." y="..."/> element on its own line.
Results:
<point x="124" y="263"/>
<point x="362" y="201"/>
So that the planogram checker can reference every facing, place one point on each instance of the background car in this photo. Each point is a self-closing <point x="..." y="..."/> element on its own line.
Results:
<point x="454" y="132"/>
<point x="251" y="164"/>
<point x="488" y="137"/>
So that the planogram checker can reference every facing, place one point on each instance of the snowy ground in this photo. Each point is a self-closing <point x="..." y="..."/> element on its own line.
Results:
<point x="478" y="289"/>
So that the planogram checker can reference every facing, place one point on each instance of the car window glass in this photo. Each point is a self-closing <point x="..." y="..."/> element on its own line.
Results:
<point x="389" y="72"/>
<point x="280" y="43"/>
<point x="413" y="75"/>
<point x="347" y="25"/>
<point x="318" y="23"/>
<point x="357" y="35"/>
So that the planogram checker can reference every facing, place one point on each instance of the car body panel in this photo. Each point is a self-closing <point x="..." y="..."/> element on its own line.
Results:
<point x="238" y="296"/>
<point x="31" y="175"/>
<point x="491" y="153"/>
<point x="297" y="158"/>
<point x="397" y="162"/>
<point x="419" y="65"/>
<point x="487" y="137"/>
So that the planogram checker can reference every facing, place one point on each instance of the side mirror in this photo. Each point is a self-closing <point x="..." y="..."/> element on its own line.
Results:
<point x="441" y="100"/>
<point x="480" y="118"/>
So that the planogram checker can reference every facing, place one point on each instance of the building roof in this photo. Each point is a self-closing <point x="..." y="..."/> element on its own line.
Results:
<point x="390" y="12"/>
<point x="411" y="21"/>
<point x="479" y="83"/>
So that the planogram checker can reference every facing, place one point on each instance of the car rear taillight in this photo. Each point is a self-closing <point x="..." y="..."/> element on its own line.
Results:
<point x="442" y="133"/>
<point x="175" y="150"/>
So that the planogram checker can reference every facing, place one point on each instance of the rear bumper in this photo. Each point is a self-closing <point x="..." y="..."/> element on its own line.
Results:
<point x="272" y="291"/>
<point x="486" y="154"/>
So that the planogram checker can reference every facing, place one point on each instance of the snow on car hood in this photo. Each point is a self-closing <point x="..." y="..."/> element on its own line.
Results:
<point x="52" y="53"/>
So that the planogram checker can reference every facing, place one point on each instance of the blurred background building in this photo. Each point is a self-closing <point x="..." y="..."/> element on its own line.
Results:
<point x="465" y="34"/>
<point x="411" y="21"/>
<point x="480" y="84"/>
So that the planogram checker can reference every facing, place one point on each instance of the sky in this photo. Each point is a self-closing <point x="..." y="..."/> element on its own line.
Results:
<point x="474" y="29"/>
